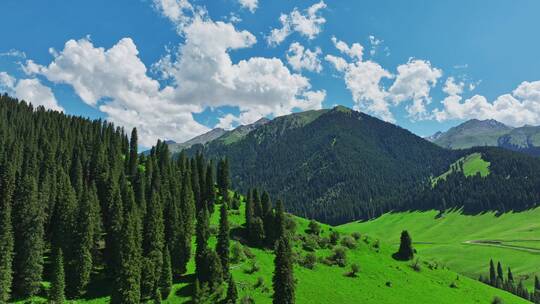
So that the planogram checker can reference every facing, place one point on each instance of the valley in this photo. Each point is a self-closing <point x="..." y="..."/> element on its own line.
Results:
<point x="466" y="243"/>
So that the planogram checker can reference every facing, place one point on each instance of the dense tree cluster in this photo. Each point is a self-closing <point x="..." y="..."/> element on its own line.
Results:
<point x="512" y="185"/>
<point x="78" y="193"/>
<point x="497" y="279"/>
<point x="337" y="168"/>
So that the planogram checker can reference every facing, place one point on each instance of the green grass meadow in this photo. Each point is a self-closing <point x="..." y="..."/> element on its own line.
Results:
<point x="381" y="279"/>
<point x="450" y="239"/>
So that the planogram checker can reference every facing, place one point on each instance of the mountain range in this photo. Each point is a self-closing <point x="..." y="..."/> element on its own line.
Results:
<point x="337" y="165"/>
<point x="479" y="133"/>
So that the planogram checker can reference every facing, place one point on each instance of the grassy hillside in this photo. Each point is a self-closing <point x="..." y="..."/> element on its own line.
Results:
<point x="380" y="280"/>
<point x="466" y="243"/>
<point x="470" y="165"/>
<point x="473" y="133"/>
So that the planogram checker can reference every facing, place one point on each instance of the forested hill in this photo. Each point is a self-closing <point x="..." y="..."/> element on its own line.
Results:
<point x="340" y="165"/>
<point x="332" y="165"/>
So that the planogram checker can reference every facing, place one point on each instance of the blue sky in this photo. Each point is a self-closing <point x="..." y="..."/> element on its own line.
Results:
<point x="175" y="68"/>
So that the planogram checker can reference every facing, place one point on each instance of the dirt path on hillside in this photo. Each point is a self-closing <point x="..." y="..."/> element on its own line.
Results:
<point x="500" y="244"/>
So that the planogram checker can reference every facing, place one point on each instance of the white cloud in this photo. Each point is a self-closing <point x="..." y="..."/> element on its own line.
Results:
<point x="308" y="23"/>
<point x="201" y="73"/>
<point x="14" y="53"/>
<point x="363" y="79"/>
<point x="375" y="43"/>
<point x="300" y="58"/>
<point x="7" y="82"/>
<point x="29" y="90"/>
<point x="251" y="5"/>
<point x="520" y="107"/>
<point x="451" y="87"/>
<point x="180" y="12"/>
<point x="355" y="51"/>
<point x="414" y="81"/>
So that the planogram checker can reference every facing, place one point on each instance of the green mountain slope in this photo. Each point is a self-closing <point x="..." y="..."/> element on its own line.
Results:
<point x="469" y="165"/>
<point x="466" y="243"/>
<point x="333" y="165"/>
<point x="340" y="165"/>
<point x="381" y="279"/>
<point x="472" y="133"/>
<point x="479" y="133"/>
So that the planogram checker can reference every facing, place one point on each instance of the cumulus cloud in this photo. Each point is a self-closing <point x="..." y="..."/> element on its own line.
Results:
<point x="201" y="73"/>
<point x="180" y="12"/>
<point x="29" y="90"/>
<point x="414" y="81"/>
<point x="451" y="87"/>
<point x="363" y="79"/>
<point x="307" y="23"/>
<point x="251" y="5"/>
<point x="300" y="58"/>
<point x="520" y="107"/>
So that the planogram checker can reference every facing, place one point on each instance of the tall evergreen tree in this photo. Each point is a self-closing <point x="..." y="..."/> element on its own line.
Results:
<point x="268" y="219"/>
<point x="280" y="220"/>
<point x="127" y="282"/>
<point x="500" y="273"/>
<point x="283" y="279"/>
<point x="201" y="254"/>
<point x="187" y="207"/>
<point x="84" y="243"/>
<point x="222" y="247"/>
<point x="223" y="179"/>
<point x="492" y="273"/>
<point x="29" y="236"/>
<point x="133" y="153"/>
<point x="56" y="294"/>
<point x="113" y="228"/>
<point x="249" y="210"/>
<point x="165" y="284"/>
<point x="510" y="277"/>
<point x="209" y="195"/>
<point x="405" y="252"/>
<point x="153" y="245"/>
<point x="7" y="187"/>
<point x="232" y="292"/>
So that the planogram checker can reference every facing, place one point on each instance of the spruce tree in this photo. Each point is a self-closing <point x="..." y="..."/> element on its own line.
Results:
<point x="510" y="277"/>
<point x="187" y="208"/>
<point x="500" y="273"/>
<point x="127" y="283"/>
<point x="249" y="211"/>
<point x="492" y="274"/>
<point x="232" y="292"/>
<point x="280" y="220"/>
<point x="223" y="179"/>
<point x="133" y="154"/>
<point x="222" y="247"/>
<point x="214" y="269"/>
<point x="283" y="279"/>
<point x="209" y="195"/>
<point x="405" y="252"/>
<point x="201" y="253"/>
<point x="113" y="228"/>
<point x="153" y="245"/>
<point x="29" y="236"/>
<point x="165" y="284"/>
<point x="84" y="243"/>
<point x="56" y="294"/>
<point x="268" y="218"/>
<point x="256" y="232"/>
<point x="7" y="186"/>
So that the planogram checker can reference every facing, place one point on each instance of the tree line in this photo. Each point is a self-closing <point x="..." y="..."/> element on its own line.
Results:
<point x="498" y="279"/>
<point x="79" y="204"/>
